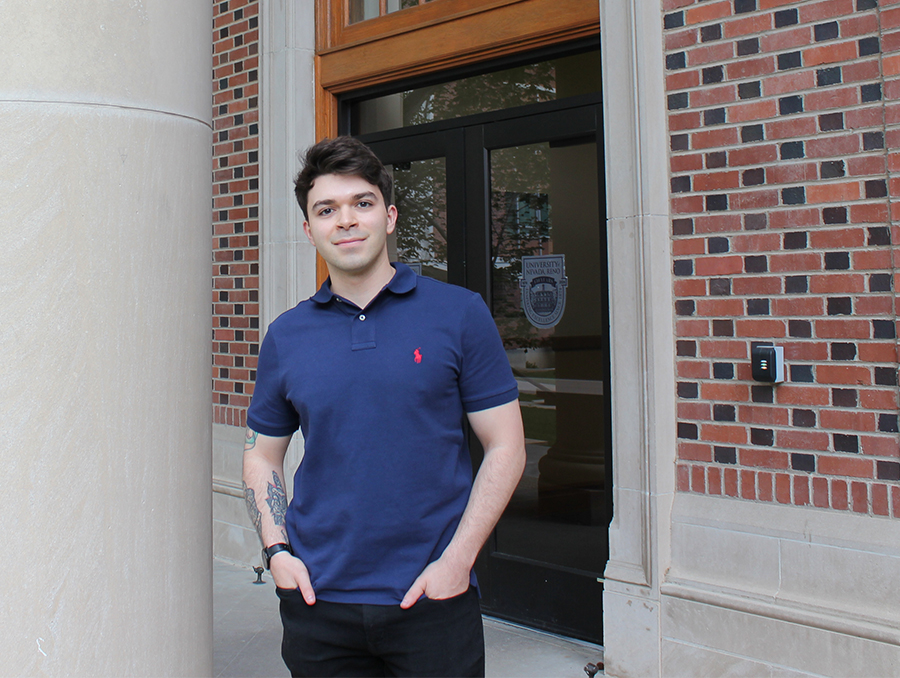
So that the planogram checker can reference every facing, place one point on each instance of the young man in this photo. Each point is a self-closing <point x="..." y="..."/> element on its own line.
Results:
<point x="373" y="558"/>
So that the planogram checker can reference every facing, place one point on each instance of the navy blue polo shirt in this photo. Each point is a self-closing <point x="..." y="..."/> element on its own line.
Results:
<point x="380" y="396"/>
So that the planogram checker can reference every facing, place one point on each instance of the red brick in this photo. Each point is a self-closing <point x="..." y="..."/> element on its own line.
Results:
<point x="717" y="223"/>
<point x="871" y="116"/>
<point x="754" y="200"/>
<point x="805" y="350"/>
<point x="843" y="284"/>
<point x="829" y="53"/>
<point x="693" y="369"/>
<point x="787" y="218"/>
<point x="860" y="24"/>
<point x="854" y="467"/>
<point x="755" y="154"/>
<point x="874" y="305"/>
<point x="748" y="485"/>
<point x="872" y="259"/>
<point x="756" y="242"/>
<point x="724" y="433"/>
<point x="754" y="110"/>
<point x="730" y="481"/>
<point x="798" y="306"/>
<point x="880" y="505"/>
<point x="714" y="480"/>
<point x="682" y="39"/>
<point x="764" y="482"/>
<point x="861" y="70"/>
<point x="792" y="173"/>
<point x="881" y="352"/>
<point x="692" y="328"/>
<point x="866" y="166"/>
<point x="684" y="246"/>
<point x="842" y="329"/>
<point x="786" y="38"/>
<point x="750" y="68"/>
<point x="835" y="192"/>
<point x="759" y="286"/>
<point x="709" y="53"/>
<point x="783" y="488"/>
<point x="832" y="98"/>
<point x="724" y="348"/>
<point x="688" y="205"/>
<point x="724" y="306"/>
<point x="717" y="181"/>
<point x="895" y="501"/>
<point x="791" y="127"/>
<point x="719" y="265"/>
<point x="760" y="327"/>
<point x="839" y="497"/>
<point x="843" y="374"/>
<point x="833" y="145"/>
<point x="847" y="420"/>
<point x="715" y="96"/>
<point x="763" y="458"/>
<point x="708" y="11"/>
<point x="750" y="23"/>
<point x="690" y="287"/>
<point x="802" y="439"/>
<point x="789" y="82"/>
<point x="859" y="495"/>
<point x="682" y="80"/>
<point x="763" y="414"/>
<point x="795" y="262"/>
<point x="880" y="446"/>
<point x="801" y="490"/>
<point x="694" y="451"/>
<point x="820" y="492"/>
<point x="714" y="138"/>
<point x="850" y="236"/>
<point x="725" y="392"/>
<point x="869" y="213"/>
<point x="878" y="399"/>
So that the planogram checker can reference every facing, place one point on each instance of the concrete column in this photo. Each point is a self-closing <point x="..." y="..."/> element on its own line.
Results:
<point x="105" y="196"/>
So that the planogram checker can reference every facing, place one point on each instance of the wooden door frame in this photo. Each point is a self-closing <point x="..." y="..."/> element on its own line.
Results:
<point x="428" y="39"/>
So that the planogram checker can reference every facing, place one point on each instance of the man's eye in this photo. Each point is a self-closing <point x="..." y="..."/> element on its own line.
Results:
<point x="364" y="203"/>
<point x="325" y="212"/>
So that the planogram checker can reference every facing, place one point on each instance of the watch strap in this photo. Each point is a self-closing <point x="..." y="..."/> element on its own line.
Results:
<point x="270" y="551"/>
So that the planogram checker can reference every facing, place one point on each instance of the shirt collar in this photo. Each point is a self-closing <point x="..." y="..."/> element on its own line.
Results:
<point x="404" y="281"/>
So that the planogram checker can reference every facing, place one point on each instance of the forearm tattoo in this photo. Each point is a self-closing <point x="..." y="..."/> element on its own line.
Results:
<point x="277" y="500"/>
<point x="250" y="440"/>
<point x="253" y="509"/>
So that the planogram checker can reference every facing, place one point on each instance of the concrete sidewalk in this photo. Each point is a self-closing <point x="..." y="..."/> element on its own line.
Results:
<point x="247" y="636"/>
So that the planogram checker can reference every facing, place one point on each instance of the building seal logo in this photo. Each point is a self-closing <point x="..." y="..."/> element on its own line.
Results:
<point x="543" y="284"/>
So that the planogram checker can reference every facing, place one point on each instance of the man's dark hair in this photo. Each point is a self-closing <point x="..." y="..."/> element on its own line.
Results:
<point x="341" y="155"/>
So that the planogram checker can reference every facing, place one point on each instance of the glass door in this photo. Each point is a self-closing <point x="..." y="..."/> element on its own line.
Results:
<point x="512" y="207"/>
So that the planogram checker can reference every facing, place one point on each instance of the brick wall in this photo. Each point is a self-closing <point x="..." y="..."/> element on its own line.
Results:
<point x="785" y="145"/>
<point x="235" y="270"/>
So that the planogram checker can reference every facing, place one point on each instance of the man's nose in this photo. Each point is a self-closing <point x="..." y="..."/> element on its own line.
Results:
<point x="346" y="217"/>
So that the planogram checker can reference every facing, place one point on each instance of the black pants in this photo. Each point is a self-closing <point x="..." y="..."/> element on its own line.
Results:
<point x="432" y="638"/>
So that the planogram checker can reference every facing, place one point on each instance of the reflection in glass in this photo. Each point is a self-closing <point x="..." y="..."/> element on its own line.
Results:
<point x="519" y="86"/>
<point x="420" y="194"/>
<point x="544" y="200"/>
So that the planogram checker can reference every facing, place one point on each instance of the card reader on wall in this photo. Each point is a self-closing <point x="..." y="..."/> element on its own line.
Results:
<point x="767" y="363"/>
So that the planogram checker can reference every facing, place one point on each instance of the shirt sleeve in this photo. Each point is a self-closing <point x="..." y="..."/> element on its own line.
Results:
<point x="486" y="379"/>
<point x="271" y="413"/>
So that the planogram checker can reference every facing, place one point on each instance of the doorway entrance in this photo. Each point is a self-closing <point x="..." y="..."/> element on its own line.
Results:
<point x="510" y="203"/>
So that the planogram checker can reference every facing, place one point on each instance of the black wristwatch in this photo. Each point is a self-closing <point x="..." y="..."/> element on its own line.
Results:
<point x="270" y="551"/>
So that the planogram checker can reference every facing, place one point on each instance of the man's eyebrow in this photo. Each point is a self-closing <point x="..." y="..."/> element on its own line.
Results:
<point x="330" y="201"/>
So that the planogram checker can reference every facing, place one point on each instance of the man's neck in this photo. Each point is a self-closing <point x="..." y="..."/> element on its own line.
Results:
<point x="362" y="288"/>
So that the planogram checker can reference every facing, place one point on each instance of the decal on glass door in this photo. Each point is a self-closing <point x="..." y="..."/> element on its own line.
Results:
<point x="543" y="285"/>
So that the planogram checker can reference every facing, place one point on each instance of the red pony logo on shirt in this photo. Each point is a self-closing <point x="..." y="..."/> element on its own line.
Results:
<point x="417" y="356"/>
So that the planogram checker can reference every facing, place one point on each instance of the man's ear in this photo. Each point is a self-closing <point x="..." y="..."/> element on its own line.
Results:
<point x="308" y="231"/>
<point x="392" y="218"/>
